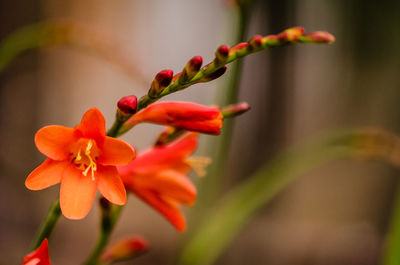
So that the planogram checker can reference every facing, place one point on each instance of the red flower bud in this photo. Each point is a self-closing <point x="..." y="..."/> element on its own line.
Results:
<point x="221" y="54"/>
<point x="320" y="37"/>
<point x="235" y="109"/>
<point x="128" y="104"/>
<point x="160" y="82"/>
<point x="291" y="34"/>
<point x="218" y="73"/>
<point x="40" y="256"/>
<point x="191" y="69"/>
<point x="255" y="42"/>
<point x="125" y="249"/>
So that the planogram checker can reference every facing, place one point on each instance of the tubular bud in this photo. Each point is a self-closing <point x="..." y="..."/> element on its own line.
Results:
<point x="221" y="54"/>
<point x="128" y="104"/>
<point x="191" y="69"/>
<point x="318" y="37"/>
<point x="168" y="135"/>
<point x="290" y="35"/>
<point x="160" y="82"/>
<point x="235" y="109"/>
<point x="126" y="248"/>
<point x="239" y="49"/>
<point x="255" y="42"/>
<point x="270" y="41"/>
<point x="218" y="73"/>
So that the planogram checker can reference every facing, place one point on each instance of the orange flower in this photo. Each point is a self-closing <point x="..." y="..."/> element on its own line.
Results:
<point x="158" y="177"/>
<point x="40" y="256"/>
<point x="83" y="159"/>
<point x="182" y="115"/>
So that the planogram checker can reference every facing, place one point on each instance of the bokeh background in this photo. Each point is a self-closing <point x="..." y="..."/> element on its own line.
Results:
<point x="336" y="214"/>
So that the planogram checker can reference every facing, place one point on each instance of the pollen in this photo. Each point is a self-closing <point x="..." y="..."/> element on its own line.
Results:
<point x="198" y="163"/>
<point x="84" y="155"/>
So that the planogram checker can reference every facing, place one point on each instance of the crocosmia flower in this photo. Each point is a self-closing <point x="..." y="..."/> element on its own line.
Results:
<point x="182" y="115"/>
<point x="158" y="177"/>
<point x="84" y="160"/>
<point x="40" y="256"/>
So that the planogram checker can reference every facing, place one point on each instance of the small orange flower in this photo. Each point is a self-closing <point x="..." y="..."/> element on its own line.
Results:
<point x="182" y="115"/>
<point x="83" y="159"/>
<point x="158" y="177"/>
<point x="40" y="256"/>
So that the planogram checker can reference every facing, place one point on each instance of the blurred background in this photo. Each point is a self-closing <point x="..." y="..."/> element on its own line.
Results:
<point x="336" y="214"/>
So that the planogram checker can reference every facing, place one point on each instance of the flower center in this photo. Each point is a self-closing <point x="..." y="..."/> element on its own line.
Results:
<point x="84" y="154"/>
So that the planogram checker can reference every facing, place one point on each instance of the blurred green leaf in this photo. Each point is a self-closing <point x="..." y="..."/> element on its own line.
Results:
<point x="226" y="220"/>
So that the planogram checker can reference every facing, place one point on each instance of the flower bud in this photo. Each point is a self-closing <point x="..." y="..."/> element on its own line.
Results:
<point x="318" y="37"/>
<point x="290" y="35"/>
<point x="168" y="135"/>
<point x="191" y="69"/>
<point x="239" y="49"/>
<point x="270" y="41"/>
<point x="255" y="42"/>
<point x="125" y="249"/>
<point x="128" y="104"/>
<point x="235" y="109"/>
<point x="218" y="73"/>
<point x="160" y="82"/>
<point x="221" y="54"/>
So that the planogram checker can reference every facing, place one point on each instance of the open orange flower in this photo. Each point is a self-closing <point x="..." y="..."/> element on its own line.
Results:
<point x="40" y="256"/>
<point x="83" y="159"/>
<point x="182" y="115"/>
<point x="158" y="177"/>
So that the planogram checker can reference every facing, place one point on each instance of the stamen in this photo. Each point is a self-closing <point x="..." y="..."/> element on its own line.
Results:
<point x="198" y="163"/>
<point x="78" y="156"/>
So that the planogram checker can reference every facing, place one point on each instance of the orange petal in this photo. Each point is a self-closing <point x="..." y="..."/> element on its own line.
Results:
<point x="159" y="158"/>
<point x="47" y="174"/>
<point x="77" y="193"/>
<point x="110" y="185"/>
<point x="168" y="209"/>
<point x="54" y="141"/>
<point x="116" y="152"/>
<point x="170" y="184"/>
<point x="93" y="124"/>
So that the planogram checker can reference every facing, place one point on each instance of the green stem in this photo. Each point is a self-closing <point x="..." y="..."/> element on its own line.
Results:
<point x="392" y="253"/>
<point x="108" y="223"/>
<point x="48" y="225"/>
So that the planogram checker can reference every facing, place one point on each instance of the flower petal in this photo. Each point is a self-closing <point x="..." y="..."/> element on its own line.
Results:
<point x="110" y="185"/>
<point x="47" y="174"/>
<point x="116" y="152"/>
<point x="93" y="124"/>
<point x="54" y="141"/>
<point x="168" y="209"/>
<point x="77" y="193"/>
<point x="165" y="157"/>
<point x="40" y="256"/>
<point x="170" y="184"/>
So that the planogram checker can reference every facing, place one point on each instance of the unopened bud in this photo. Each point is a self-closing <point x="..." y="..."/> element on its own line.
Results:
<point x="168" y="135"/>
<point x="235" y="109"/>
<point x="160" y="82"/>
<point x="318" y="37"/>
<point x="191" y="69"/>
<point x="270" y="41"/>
<point x="219" y="72"/>
<point x="128" y="104"/>
<point x="291" y="34"/>
<point x="221" y="54"/>
<point x="255" y="42"/>
<point x="239" y="49"/>
<point x="125" y="249"/>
